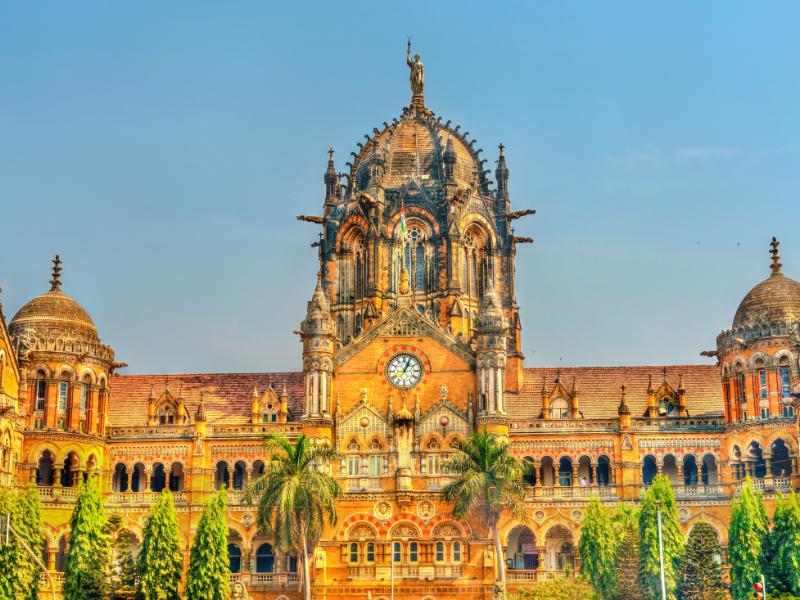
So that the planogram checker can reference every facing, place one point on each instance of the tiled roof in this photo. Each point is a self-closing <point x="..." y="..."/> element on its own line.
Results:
<point x="599" y="389"/>
<point x="227" y="396"/>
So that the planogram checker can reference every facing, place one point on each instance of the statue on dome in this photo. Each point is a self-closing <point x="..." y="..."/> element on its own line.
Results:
<point x="417" y="71"/>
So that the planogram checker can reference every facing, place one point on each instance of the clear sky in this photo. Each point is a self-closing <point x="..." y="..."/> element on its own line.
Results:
<point x="164" y="148"/>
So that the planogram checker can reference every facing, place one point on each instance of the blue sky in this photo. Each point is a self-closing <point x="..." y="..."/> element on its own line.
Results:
<point x="164" y="148"/>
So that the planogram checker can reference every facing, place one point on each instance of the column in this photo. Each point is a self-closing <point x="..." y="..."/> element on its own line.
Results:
<point x="491" y="397"/>
<point x="90" y="410"/>
<point x="324" y="393"/>
<point x="659" y="467"/>
<point x="315" y="393"/>
<point x="768" y="466"/>
<point x="540" y="552"/>
<point x="33" y="475"/>
<point x="148" y="472"/>
<point x="679" y="464"/>
<point x="593" y="473"/>
<point x="481" y="386"/>
<point x="574" y="473"/>
<point x="231" y="469"/>
<point x="57" y="477"/>
<point x="51" y="558"/>
<point x="498" y="377"/>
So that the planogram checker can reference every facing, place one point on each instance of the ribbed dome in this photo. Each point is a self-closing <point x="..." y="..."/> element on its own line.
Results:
<point x="776" y="299"/>
<point x="53" y="313"/>
<point x="418" y="146"/>
<point x="53" y="310"/>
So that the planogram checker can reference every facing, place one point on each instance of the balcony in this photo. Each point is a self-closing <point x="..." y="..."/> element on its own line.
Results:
<point x="363" y="484"/>
<point x="557" y="492"/>
<point x="52" y="493"/>
<point x="693" y="491"/>
<point x="141" y="498"/>
<point x="266" y="580"/>
<point x="768" y="485"/>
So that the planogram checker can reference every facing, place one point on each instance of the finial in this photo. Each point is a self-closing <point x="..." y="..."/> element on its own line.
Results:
<point x="152" y="391"/>
<point x="664" y="370"/>
<point x="55" y="282"/>
<point x="650" y="383"/>
<point x="574" y="384"/>
<point x="623" y="409"/>
<point x="330" y="154"/>
<point x="502" y="150"/>
<point x="776" y="259"/>
<point x="255" y="391"/>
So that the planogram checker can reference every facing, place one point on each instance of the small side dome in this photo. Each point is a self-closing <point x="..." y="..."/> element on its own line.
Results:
<point x="54" y="312"/>
<point x="774" y="300"/>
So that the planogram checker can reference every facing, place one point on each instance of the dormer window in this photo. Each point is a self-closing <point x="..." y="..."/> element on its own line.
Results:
<point x="166" y="416"/>
<point x="269" y="416"/>
<point x="559" y="409"/>
<point x="666" y="408"/>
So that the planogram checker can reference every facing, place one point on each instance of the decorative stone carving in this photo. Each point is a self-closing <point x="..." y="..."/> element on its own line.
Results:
<point x="426" y="509"/>
<point x="382" y="510"/>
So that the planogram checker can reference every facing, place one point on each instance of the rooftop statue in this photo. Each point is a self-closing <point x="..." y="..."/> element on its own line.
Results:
<point x="417" y="72"/>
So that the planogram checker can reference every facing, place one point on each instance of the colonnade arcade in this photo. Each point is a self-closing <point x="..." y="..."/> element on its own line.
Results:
<point x="64" y="471"/>
<point x="567" y="471"/>
<point x="688" y="470"/>
<point x="759" y="461"/>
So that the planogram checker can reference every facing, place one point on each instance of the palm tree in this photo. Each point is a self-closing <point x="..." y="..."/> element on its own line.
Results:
<point x="295" y="496"/>
<point x="487" y="480"/>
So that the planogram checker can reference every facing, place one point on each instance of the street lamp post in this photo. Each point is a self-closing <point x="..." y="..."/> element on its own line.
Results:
<point x="661" y="553"/>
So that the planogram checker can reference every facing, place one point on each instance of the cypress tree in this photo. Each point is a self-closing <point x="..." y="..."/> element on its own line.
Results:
<point x="26" y="520"/>
<point x="701" y="567"/>
<point x="7" y="554"/>
<point x="747" y="533"/>
<point x="627" y="560"/>
<point x="160" y="557"/>
<point x="659" y="494"/>
<point x="209" y="574"/>
<point x="124" y="571"/>
<point x="783" y="553"/>
<point x="597" y="548"/>
<point x="86" y="576"/>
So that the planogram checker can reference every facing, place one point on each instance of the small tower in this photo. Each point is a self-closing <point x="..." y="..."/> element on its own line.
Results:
<point x="151" y="407"/>
<point x="491" y="362"/>
<point x="501" y="175"/>
<point x="255" y="406"/>
<point x="317" y="335"/>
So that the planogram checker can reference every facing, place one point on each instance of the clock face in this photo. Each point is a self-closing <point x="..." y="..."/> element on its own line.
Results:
<point x="404" y="371"/>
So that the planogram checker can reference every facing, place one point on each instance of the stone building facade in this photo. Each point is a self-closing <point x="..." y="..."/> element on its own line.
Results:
<point x="410" y="342"/>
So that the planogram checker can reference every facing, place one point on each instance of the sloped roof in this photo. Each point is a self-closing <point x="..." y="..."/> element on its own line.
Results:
<point x="227" y="396"/>
<point x="599" y="389"/>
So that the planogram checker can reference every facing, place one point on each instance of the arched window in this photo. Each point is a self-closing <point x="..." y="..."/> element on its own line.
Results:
<point x="41" y="389"/>
<point x="456" y="552"/>
<point x="63" y="392"/>
<point x="84" y="401"/>
<point x="476" y="268"/>
<point x="265" y="559"/>
<point x="44" y="472"/>
<point x="439" y="551"/>
<point x="158" y="480"/>
<point x="235" y="558"/>
<point x="666" y="408"/>
<point x="61" y="555"/>
<point x="559" y="409"/>
<point x="120" y="480"/>
<point x="529" y="474"/>
<point x="166" y="415"/>
<point x="270" y="415"/>
<point x="413" y="552"/>
<point x="649" y="469"/>
<point x="397" y="552"/>
<point x="354" y="553"/>
<point x="370" y="552"/>
<point x="565" y="471"/>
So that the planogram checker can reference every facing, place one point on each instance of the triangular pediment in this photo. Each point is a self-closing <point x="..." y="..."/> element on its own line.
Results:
<point x="405" y="322"/>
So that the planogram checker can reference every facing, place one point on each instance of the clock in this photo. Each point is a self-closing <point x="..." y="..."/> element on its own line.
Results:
<point x="404" y="371"/>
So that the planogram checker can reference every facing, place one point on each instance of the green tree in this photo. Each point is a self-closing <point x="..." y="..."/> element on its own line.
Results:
<point x="747" y="533"/>
<point x="701" y="567"/>
<point x="659" y="496"/>
<point x="597" y="548"/>
<point x="627" y="559"/>
<point x="782" y="553"/>
<point x="86" y="576"/>
<point x="295" y="497"/>
<point x="487" y="479"/>
<point x="123" y="560"/>
<point x="209" y="574"/>
<point x="19" y="571"/>
<point x="160" y="563"/>
<point x="26" y="520"/>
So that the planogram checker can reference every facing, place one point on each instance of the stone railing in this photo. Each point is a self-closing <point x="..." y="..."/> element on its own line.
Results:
<point x="692" y="491"/>
<point x="682" y="424"/>
<point x="44" y="581"/>
<point x="768" y="485"/>
<point x="288" y="429"/>
<point x="150" y="431"/>
<point x="757" y="423"/>
<point x="56" y="493"/>
<point x="437" y="482"/>
<point x="448" y="571"/>
<point x="266" y="580"/>
<point x="550" y="492"/>
<point x="140" y="498"/>
<point x="547" y="425"/>
<point x="361" y="572"/>
<point x="358" y="484"/>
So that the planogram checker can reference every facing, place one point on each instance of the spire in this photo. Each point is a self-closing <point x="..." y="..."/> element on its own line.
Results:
<point x="55" y="282"/>
<point x="501" y="174"/>
<point x="449" y="158"/>
<point x="255" y="391"/>
<point x="776" y="259"/>
<point x="650" y="383"/>
<point x="330" y="178"/>
<point x="200" y="414"/>
<point x="623" y="409"/>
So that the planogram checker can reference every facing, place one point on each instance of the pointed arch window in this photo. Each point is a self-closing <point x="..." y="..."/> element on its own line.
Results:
<point x="41" y="389"/>
<point x="166" y="415"/>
